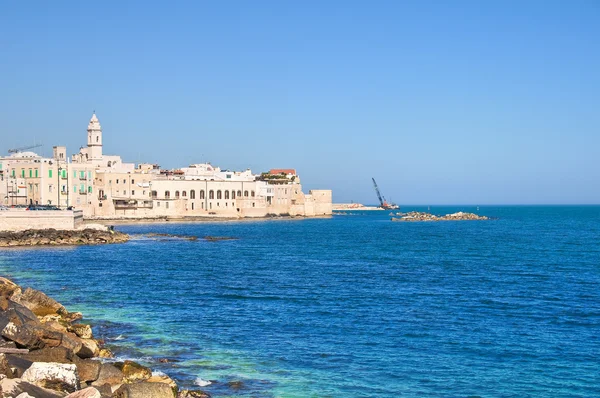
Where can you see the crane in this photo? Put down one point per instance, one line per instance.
(23, 148)
(382, 202)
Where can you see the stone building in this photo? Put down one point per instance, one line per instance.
(103, 186)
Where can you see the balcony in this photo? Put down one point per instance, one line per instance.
(64, 192)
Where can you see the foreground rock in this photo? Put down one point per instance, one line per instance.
(53, 237)
(44, 354)
(422, 216)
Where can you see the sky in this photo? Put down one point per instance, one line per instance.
(463, 102)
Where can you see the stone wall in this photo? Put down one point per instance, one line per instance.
(20, 219)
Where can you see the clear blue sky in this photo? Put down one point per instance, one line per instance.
(442, 102)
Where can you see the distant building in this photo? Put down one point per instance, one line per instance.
(103, 186)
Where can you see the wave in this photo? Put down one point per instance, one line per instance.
(201, 382)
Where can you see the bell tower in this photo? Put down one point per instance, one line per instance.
(94, 131)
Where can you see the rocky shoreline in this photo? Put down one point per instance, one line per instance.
(53, 237)
(415, 216)
(45, 352)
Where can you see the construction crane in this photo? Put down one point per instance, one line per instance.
(382, 202)
(23, 148)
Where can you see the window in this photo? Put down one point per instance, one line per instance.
(232, 194)
(192, 194)
(167, 195)
(228, 175)
(132, 193)
(157, 204)
(90, 175)
(202, 194)
(219, 196)
(211, 194)
(124, 192)
(245, 194)
(176, 194)
(97, 138)
(89, 189)
(184, 194)
(36, 173)
(23, 173)
(167, 205)
(117, 181)
(252, 193)
(133, 181)
(239, 194)
(226, 194)
(192, 205)
(154, 194)
(30, 173)
(49, 173)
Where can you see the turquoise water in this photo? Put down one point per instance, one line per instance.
(352, 306)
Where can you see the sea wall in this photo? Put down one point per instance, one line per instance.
(47, 352)
(21, 219)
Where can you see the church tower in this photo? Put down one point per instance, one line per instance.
(94, 131)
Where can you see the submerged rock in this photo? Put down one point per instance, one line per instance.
(133, 371)
(33, 237)
(218, 238)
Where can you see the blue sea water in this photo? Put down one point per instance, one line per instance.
(350, 306)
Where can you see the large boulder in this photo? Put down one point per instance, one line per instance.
(60, 377)
(144, 390)
(24, 335)
(8, 288)
(133, 371)
(89, 349)
(39, 303)
(18, 365)
(89, 392)
(88, 369)
(163, 378)
(108, 374)
(16, 387)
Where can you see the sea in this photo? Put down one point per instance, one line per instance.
(349, 306)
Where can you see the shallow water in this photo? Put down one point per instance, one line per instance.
(350, 306)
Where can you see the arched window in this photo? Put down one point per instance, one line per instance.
(252, 193)
(245, 194)
(192, 194)
(184, 194)
(167, 194)
(226, 194)
(211, 194)
(108, 164)
(232, 194)
(219, 196)
(239, 193)
(176, 194)
(202, 194)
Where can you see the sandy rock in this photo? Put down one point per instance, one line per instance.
(89, 392)
(8, 288)
(105, 353)
(163, 378)
(83, 331)
(144, 390)
(39, 303)
(133, 372)
(24, 335)
(89, 348)
(15, 387)
(24, 395)
(60, 377)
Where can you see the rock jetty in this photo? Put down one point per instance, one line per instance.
(53, 237)
(46, 353)
(422, 216)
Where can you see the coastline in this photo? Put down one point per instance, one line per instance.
(45, 351)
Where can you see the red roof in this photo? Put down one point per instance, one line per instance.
(282, 171)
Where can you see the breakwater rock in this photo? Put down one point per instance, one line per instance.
(422, 216)
(46, 353)
(53, 237)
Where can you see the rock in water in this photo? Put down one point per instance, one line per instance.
(60, 377)
(133, 371)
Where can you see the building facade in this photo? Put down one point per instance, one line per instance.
(104, 187)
